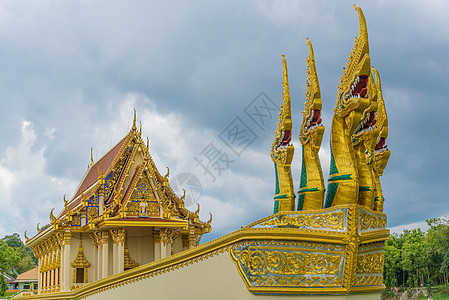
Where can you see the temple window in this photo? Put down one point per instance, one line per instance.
(80, 265)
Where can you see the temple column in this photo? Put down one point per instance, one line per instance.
(157, 244)
(52, 279)
(39, 275)
(105, 254)
(58, 278)
(192, 238)
(118, 252)
(97, 240)
(99, 268)
(165, 249)
(167, 237)
(65, 261)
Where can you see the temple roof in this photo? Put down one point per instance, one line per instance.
(104, 163)
(124, 188)
(31, 275)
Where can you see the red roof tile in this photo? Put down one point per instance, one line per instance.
(104, 163)
(91, 176)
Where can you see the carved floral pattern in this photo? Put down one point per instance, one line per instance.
(369, 221)
(332, 220)
(284, 263)
(370, 263)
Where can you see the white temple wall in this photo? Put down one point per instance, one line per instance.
(90, 252)
(177, 246)
(140, 244)
(213, 278)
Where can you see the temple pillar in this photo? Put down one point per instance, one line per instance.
(157, 244)
(118, 252)
(167, 239)
(192, 238)
(105, 254)
(65, 261)
(99, 267)
(52, 279)
(114, 258)
(39, 275)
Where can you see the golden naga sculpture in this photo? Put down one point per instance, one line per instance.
(363, 141)
(377, 158)
(337, 247)
(311, 188)
(358, 132)
(282, 152)
(353, 99)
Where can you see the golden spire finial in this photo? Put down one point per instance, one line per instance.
(148, 144)
(52, 217)
(210, 219)
(183, 196)
(140, 130)
(198, 210)
(100, 175)
(134, 121)
(91, 156)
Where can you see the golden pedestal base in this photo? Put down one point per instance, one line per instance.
(339, 250)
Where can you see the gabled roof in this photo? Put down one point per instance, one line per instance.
(9, 279)
(31, 275)
(104, 164)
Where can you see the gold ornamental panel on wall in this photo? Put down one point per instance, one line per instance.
(330, 251)
(287, 264)
(331, 219)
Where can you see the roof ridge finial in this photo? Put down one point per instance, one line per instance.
(91, 156)
(134, 121)
(140, 130)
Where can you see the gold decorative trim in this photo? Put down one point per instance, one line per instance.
(371, 241)
(177, 224)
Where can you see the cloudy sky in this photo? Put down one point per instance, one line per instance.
(71, 73)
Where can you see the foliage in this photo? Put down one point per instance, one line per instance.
(15, 257)
(3, 286)
(415, 258)
(8, 257)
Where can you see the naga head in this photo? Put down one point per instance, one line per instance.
(366, 132)
(282, 149)
(353, 88)
(380, 154)
(311, 130)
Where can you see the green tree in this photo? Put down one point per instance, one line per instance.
(413, 257)
(392, 267)
(3, 286)
(14, 241)
(8, 257)
(26, 260)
